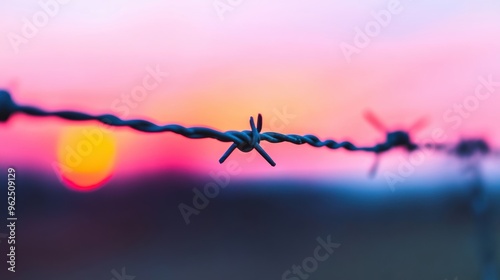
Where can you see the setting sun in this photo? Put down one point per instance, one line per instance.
(86, 155)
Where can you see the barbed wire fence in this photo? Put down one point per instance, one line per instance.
(246, 140)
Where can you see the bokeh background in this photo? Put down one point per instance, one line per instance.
(218, 63)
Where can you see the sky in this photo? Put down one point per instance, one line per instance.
(309, 68)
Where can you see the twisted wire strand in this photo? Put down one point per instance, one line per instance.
(238, 137)
(245, 140)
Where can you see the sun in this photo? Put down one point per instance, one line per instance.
(86, 157)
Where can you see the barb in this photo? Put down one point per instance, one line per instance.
(245, 141)
(397, 138)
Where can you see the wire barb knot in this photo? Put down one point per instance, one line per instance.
(248, 146)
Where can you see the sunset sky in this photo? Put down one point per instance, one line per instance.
(277, 58)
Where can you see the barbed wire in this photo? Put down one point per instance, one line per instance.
(246, 140)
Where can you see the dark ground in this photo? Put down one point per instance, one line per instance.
(251, 230)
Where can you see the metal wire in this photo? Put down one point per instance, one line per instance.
(245, 141)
